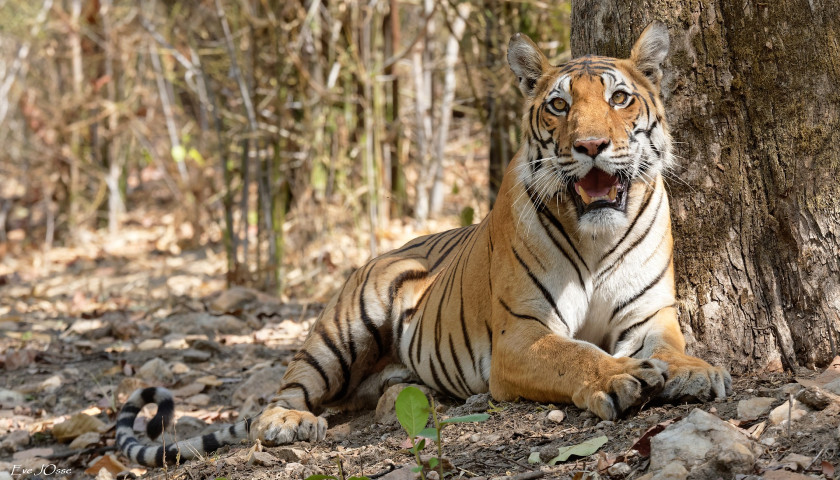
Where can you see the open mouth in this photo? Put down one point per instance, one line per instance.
(598, 189)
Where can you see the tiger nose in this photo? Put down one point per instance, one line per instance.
(592, 146)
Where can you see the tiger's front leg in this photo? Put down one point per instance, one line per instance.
(529, 361)
(689, 378)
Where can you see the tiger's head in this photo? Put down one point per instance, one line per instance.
(594, 129)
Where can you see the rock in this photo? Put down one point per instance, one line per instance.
(556, 416)
(797, 461)
(385, 413)
(672, 471)
(403, 473)
(76, 425)
(206, 345)
(179, 368)
(263, 383)
(768, 441)
(232, 300)
(85, 440)
(780, 414)
(816, 398)
(50, 385)
(149, 344)
(605, 424)
(195, 356)
(290, 454)
(475, 404)
(833, 386)
(620, 469)
(475, 438)
(11, 398)
(705, 446)
(199, 400)
(156, 371)
(262, 458)
(13, 441)
(200, 322)
(32, 453)
(754, 407)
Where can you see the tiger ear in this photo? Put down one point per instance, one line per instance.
(527, 62)
(650, 51)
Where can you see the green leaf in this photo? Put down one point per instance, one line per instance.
(417, 468)
(412, 409)
(534, 457)
(430, 433)
(433, 462)
(583, 449)
(475, 417)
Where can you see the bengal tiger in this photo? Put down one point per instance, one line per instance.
(563, 293)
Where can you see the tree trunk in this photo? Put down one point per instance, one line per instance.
(754, 107)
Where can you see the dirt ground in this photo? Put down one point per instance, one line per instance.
(81, 328)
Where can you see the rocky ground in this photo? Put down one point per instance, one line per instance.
(77, 334)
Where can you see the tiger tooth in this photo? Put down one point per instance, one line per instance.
(583, 195)
(613, 193)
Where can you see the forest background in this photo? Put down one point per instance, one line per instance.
(290, 140)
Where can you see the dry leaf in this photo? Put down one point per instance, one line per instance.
(642, 445)
(109, 462)
(188, 390)
(76, 425)
(209, 380)
(827, 469)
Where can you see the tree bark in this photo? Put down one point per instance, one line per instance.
(754, 107)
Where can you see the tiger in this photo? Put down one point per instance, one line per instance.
(563, 293)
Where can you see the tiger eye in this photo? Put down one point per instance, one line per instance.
(559, 104)
(618, 98)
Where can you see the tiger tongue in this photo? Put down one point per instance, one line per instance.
(597, 185)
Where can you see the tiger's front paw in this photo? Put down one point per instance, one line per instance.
(278, 426)
(633, 383)
(690, 378)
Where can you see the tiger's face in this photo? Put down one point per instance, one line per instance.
(594, 130)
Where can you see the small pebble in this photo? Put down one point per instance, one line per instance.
(556, 416)
(605, 424)
(619, 469)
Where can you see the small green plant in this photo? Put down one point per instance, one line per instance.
(413, 412)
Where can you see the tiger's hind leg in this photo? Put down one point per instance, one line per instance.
(348, 341)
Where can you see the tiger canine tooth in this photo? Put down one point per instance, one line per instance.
(613, 193)
(583, 195)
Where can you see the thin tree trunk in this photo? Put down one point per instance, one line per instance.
(450, 60)
(753, 102)
(422, 71)
(114, 162)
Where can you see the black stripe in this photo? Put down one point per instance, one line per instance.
(635, 297)
(307, 357)
(519, 315)
(639, 215)
(462, 379)
(210, 443)
(345, 367)
(148, 395)
(438, 347)
(366, 318)
(546, 294)
(556, 224)
(602, 276)
(303, 389)
(440, 386)
(445, 254)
